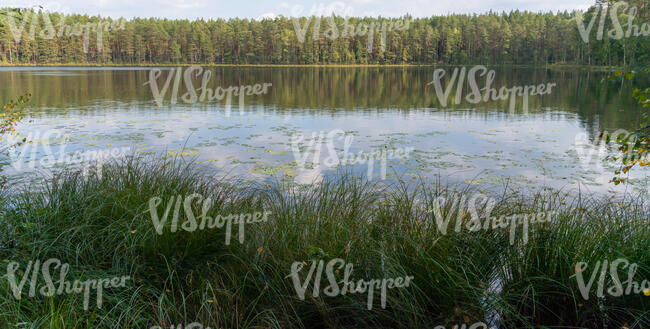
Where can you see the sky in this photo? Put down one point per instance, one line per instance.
(258, 9)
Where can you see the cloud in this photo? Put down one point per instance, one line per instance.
(266, 16)
(192, 9)
(183, 4)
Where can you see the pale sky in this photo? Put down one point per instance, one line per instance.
(192, 9)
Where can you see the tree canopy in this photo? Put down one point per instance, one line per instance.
(516, 37)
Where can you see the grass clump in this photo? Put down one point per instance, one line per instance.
(102, 227)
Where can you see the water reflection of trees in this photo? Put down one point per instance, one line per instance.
(326, 91)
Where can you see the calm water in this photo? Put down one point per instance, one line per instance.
(549, 144)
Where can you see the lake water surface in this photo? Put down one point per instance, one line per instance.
(551, 143)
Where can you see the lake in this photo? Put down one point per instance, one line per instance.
(550, 140)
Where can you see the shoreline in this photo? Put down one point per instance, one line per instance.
(108, 65)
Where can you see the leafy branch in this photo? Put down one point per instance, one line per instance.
(10, 115)
(634, 147)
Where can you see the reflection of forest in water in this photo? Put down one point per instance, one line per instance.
(598, 105)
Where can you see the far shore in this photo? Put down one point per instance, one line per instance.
(550, 66)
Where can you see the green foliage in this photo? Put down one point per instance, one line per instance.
(10, 115)
(514, 37)
(633, 147)
(316, 253)
(102, 228)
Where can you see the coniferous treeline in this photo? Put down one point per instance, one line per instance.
(492, 38)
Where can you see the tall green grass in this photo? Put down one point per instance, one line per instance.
(102, 228)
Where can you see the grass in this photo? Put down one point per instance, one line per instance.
(102, 227)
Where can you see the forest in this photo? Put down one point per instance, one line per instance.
(516, 37)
